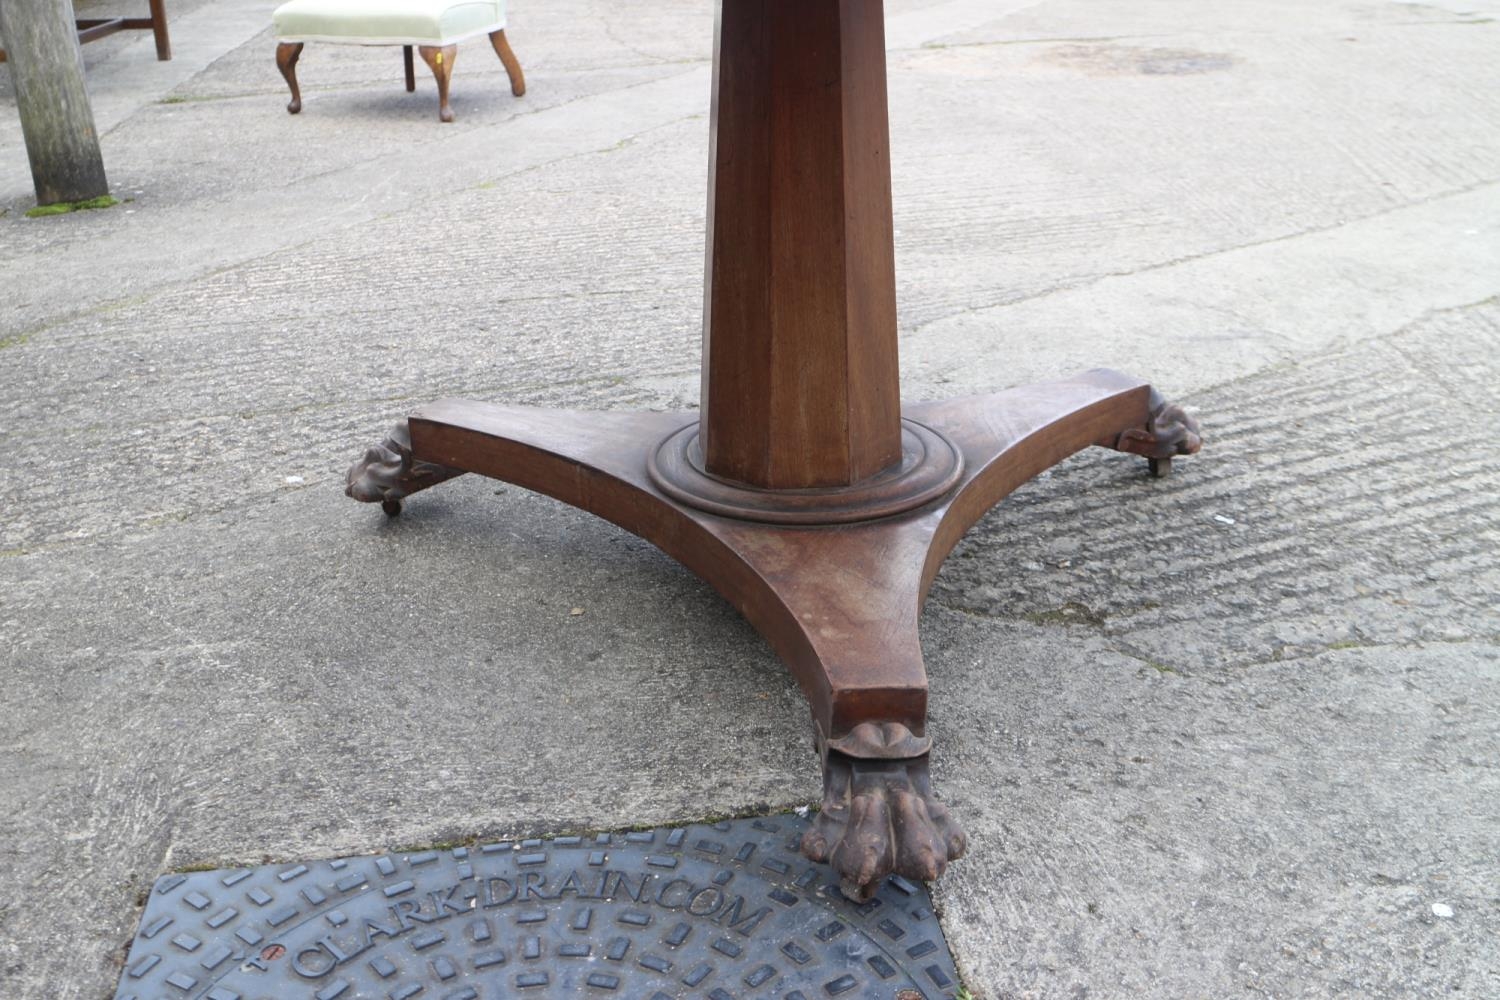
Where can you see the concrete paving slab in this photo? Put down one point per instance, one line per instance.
(122, 68)
(1229, 734)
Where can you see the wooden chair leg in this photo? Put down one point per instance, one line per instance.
(411, 73)
(287, 54)
(512, 66)
(440, 61)
(159, 29)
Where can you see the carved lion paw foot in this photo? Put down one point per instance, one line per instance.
(880, 817)
(389, 473)
(1171, 431)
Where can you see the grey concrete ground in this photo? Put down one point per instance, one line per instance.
(1232, 734)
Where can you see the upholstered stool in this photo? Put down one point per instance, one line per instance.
(434, 27)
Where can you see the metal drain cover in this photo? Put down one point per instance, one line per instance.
(724, 912)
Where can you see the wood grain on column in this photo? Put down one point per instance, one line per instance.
(801, 386)
(870, 293)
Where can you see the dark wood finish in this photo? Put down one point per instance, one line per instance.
(839, 604)
(929, 467)
(93, 28)
(287, 54)
(389, 473)
(856, 655)
(439, 59)
(800, 384)
(509, 61)
(879, 815)
(158, 25)
(802, 492)
(1170, 431)
(408, 63)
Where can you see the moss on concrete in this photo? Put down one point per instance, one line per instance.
(65, 207)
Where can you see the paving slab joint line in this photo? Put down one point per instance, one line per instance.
(1161, 265)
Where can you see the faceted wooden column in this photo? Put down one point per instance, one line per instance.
(800, 381)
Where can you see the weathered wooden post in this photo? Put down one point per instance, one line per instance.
(56, 119)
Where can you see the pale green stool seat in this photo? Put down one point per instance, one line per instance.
(434, 27)
(387, 22)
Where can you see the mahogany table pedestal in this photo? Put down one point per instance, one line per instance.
(803, 490)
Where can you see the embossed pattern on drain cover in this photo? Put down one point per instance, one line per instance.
(724, 912)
